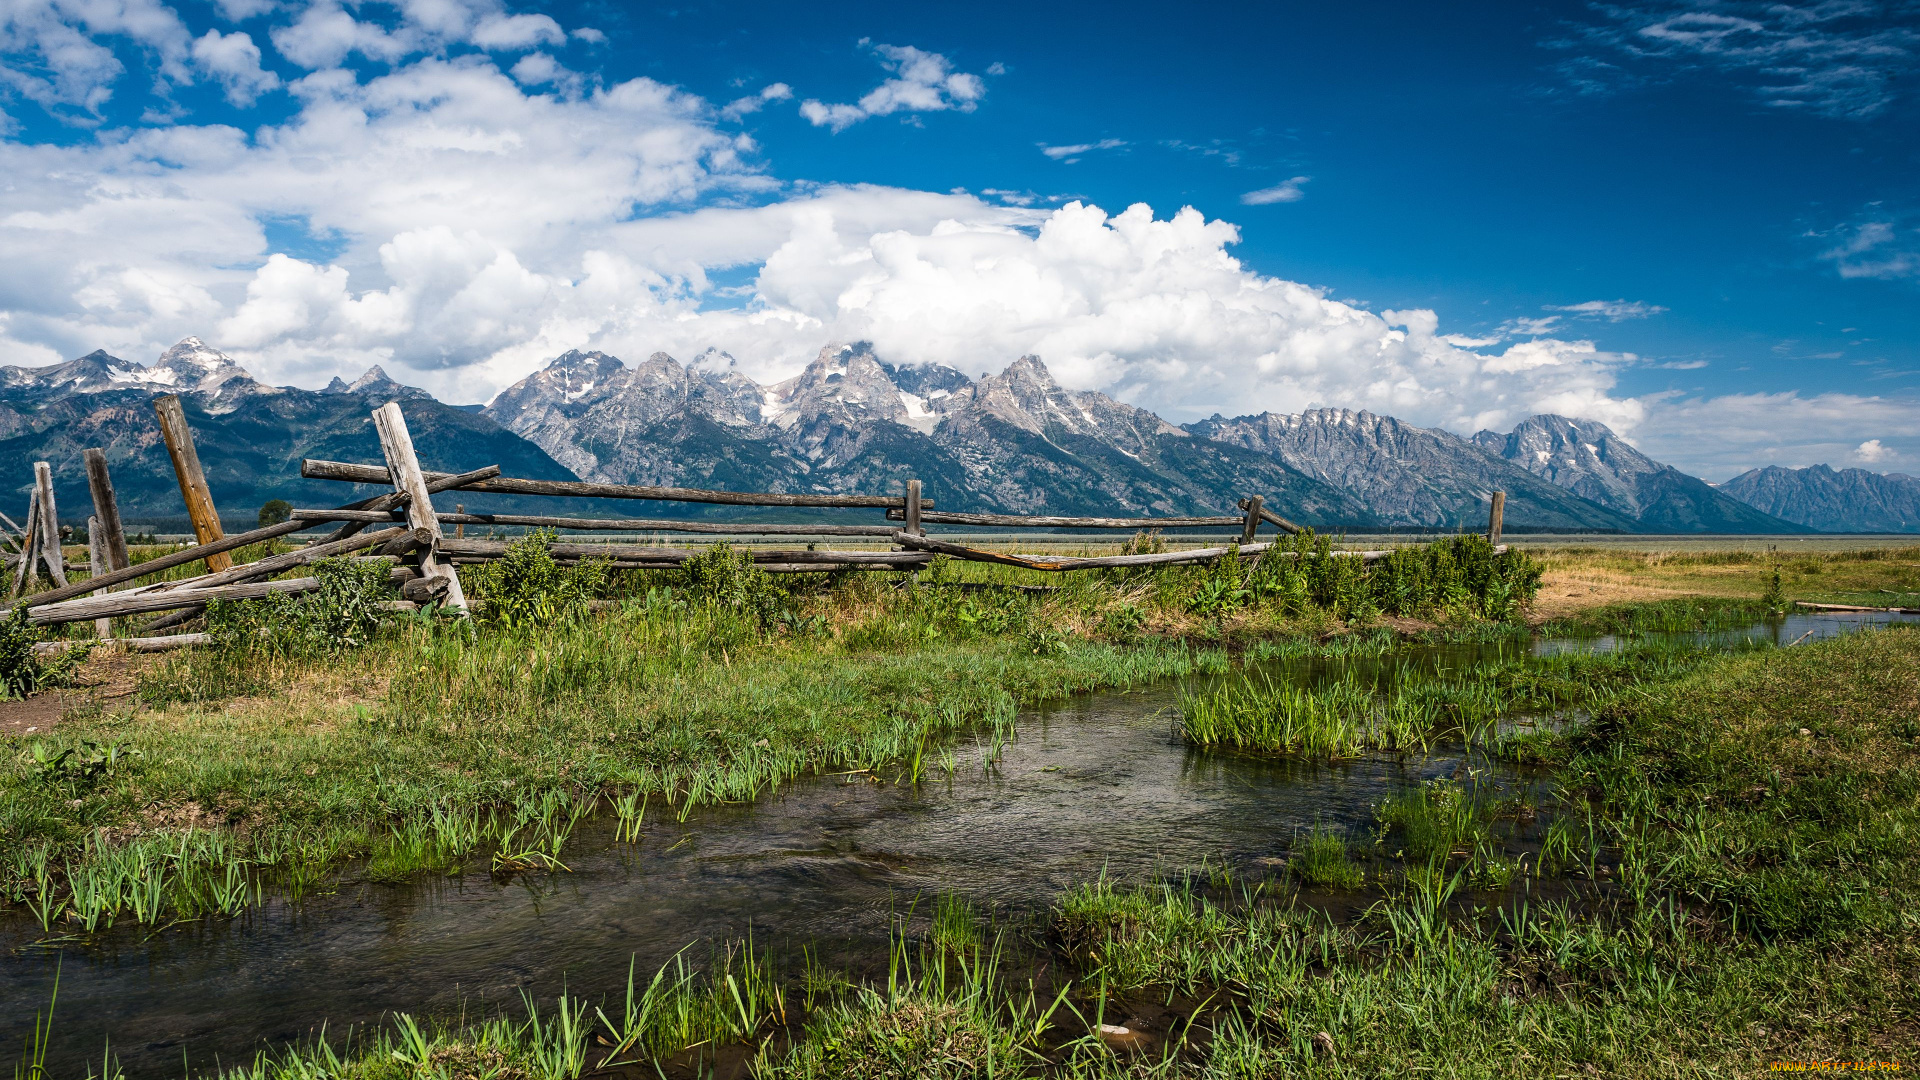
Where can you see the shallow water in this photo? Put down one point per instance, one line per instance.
(1095, 784)
(1794, 628)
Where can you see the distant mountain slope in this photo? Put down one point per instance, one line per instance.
(1588, 459)
(850, 422)
(250, 436)
(1407, 475)
(1849, 500)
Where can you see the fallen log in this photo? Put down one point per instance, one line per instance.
(314, 469)
(1855, 607)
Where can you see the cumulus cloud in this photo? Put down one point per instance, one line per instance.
(1611, 310)
(1871, 452)
(480, 226)
(235, 60)
(58, 52)
(1718, 437)
(923, 82)
(1278, 193)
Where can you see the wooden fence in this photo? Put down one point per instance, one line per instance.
(403, 528)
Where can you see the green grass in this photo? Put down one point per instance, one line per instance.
(431, 744)
(1735, 868)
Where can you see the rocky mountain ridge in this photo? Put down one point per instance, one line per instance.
(852, 421)
(1833, 500)
(250, 436)
(1588, 459)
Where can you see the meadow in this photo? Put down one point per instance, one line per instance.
(1723, 881)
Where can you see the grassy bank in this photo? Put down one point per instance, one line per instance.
(1746, 899)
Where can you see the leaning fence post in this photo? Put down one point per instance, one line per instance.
(912, 514)
(104, 508)
(1253, 520)
(193, 483)
(1494, 513)
(405, 469)
(97, 567)
(51, 553)
(29, 545)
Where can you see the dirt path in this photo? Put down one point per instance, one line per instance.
(106, 680)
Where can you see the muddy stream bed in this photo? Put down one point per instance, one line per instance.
(1094, 784)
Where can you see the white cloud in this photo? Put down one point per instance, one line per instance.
(515, 33)
(923, 82)
(1611, 310)
(753, 103)
(1836, 57)
(1278, 193)
(1870, 452)
(1071, 153)
(235, 60)
(1719, 437)
(51, 52)
(1875, 249)
(482, 227)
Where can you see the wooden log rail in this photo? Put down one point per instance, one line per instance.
(314, 469)
(113, 605)
(1065, 562)
(193, 554)
(651, 556)
(1044, 522)
(611, 524)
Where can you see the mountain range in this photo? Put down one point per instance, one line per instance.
(851, 422)
(1849, 500)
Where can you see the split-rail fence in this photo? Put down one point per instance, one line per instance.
(403, 528)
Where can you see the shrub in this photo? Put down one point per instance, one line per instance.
(528, 588)
(21, 672)
(725, 577)
(342, 613)
(274, 512)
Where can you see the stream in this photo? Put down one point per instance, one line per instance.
(1090, 785)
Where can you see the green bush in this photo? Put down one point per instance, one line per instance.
(275, 512)
(725, 577)
(21, 672)
(342, 613)
(1460, 576)
(528, 588)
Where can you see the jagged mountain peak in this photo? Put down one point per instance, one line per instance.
(1587, 458)
(1835, 500)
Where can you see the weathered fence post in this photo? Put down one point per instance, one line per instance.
(51, 552)
(397, 444)
(29, 545)
(912, 514)
(1253, 520)
(104, 508)
(1494, 513)
(193, 483)
(97, 567)
(460, 530)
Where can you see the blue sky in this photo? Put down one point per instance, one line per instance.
(1699, 223)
